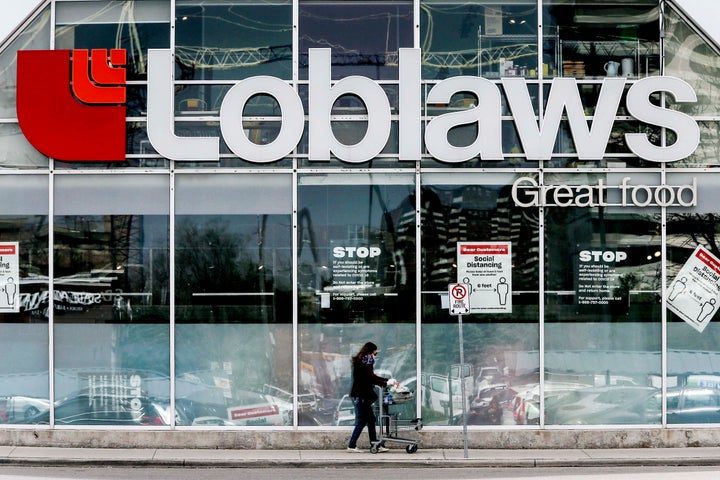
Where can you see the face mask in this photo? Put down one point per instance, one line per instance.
(368, 359)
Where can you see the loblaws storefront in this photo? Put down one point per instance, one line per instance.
(206, 207)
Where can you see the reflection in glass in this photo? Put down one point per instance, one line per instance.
(111, 300)
(356, 270)
(602, 331)
(600, 39)
(478, 37)
(16, 151)
(233, 270)
(24, 392)
(693, 374)
(24, 332)
(379, 30)
(500, 349)
(133, 26)
(35, 37)
(232, 39)
(111, 319)
(689, 57)
(356, 252)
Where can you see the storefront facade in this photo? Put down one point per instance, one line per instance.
(199, 236)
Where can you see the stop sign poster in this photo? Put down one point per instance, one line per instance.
(693, 294)
(487, 268)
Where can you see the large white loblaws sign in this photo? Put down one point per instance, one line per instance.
(537, 135)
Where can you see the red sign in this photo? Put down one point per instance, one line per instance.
(709, 261)
(264, 411)
(71, 104)
(483, 249)
(7, 249)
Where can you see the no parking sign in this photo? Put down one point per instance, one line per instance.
(459, 295)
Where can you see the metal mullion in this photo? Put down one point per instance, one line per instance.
(51, 259)
(294, 220)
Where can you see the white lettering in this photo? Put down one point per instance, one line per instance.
(322, 96)
(640, 106)
(487, 115)
(537, 137)
(231, 125)
(160, 121)
(359, 252)
(526, 192)
(538, 141)
(604, 255)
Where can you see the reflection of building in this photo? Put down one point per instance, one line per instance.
(252, 234)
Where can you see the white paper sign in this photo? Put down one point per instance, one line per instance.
(9, 277)
(487, 268)
(694, 294)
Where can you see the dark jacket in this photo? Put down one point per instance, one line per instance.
(365, 380)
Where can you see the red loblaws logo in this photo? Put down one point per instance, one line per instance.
(71, 104)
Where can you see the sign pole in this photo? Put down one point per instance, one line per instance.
(462, 387)
(459, 303)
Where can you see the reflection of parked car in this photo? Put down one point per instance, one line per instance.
(692, 405)
(345, 412)
(488, 406)
(435, 394)
(85, 409)
(601, 406)
(526, 404)
(20, 407)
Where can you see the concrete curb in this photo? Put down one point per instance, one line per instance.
(498, 458)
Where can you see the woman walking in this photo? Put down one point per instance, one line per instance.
(363, 395)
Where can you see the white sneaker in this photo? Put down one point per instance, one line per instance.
(355, 450)
(382, 449)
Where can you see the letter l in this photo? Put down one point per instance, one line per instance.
(160, 121)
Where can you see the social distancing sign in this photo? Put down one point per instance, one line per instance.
(9, 277)
(693, 294)
(486, 268)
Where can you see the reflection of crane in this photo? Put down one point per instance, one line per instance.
(217, 58)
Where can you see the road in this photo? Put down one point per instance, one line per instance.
(418, 473)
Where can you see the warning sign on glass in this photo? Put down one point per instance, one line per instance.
(694, 293)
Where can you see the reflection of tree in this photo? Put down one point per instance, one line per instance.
(625, 284)
(700, 229)
(211, 259)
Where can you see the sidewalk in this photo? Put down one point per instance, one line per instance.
(52, 456)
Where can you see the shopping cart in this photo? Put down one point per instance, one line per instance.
(391, 421)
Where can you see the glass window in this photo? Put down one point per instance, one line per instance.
(487, 38)
(135, 26)
(501, 336)
(24, 387)
(233, 39)
(356, 282)
(693, 331)
(601, 39)
(602, 317)
(35, 37)
(690, 57)
(379, 30)
(111, 301)
(16, 151)
(233, 277)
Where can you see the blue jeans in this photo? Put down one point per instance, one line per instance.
(364, 416)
